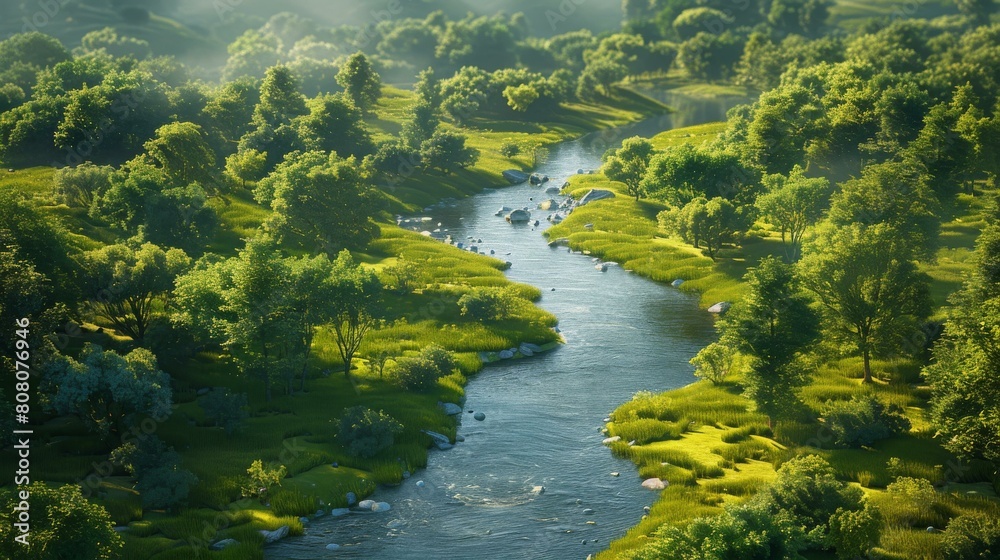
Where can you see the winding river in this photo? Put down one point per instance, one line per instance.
(623, 334)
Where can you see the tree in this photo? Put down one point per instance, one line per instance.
(894, 194)
(261, 478)
(64, 524)
(80, 185)
(358, 301)
(334, 125)
(519, 98)
(601, 72)
(360, 81)
(125, 284)
(230, 109)
(712, 223)
(772, 325)
(446, 150)
(680, 174)
(714, 362)
(247, 165)
(803, 17)
(182, 153)
(161, 482)
(421, 127)
(870, 289)
(314, 294)
(965, 373)
(225, 409)
(280, 99)
(628, 164)
(979, 10)
(711, 56)
(109, 392)
(792, 204)
(322, 199)
(428, 88)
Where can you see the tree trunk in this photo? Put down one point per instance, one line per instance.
(866, 356)
(347, 365)
(267, 387)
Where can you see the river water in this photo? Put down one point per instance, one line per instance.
(623, 334)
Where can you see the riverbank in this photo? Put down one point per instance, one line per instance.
(297, 430)
(705, 441)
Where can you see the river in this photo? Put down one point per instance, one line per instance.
(543, 414)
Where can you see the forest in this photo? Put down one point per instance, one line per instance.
(226, 318)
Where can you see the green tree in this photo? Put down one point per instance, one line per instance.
(421, 127)
(109, 392)
(428, 88)
(80, 185)
(599, 75)
(520, 98)
(446, 151)
(710, 56)
(360, 81)
(714, 362)
(358, 302)
(772, 325)
(247, 165)
(792, 204)
(64, 524)
(125, 285)
(334, 125)
(322, 199)
(182, 153)
(870, 289)
(365, 432)
(280, 99)
(628, 164)
(965, 373)
(230, 109)
(711, 223)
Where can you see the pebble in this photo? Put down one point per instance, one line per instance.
(420, 484)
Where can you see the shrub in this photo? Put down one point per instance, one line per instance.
(161, 482)
(509, 149)
(225, 409)
(421, 372)
(365, 432)
(714, 362)
(864, 420)
(975, 535)
(854, 533)
(487, 304)
(910, 502)
(260, 479)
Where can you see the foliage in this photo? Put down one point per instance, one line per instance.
(628, 164)
(64, 524)
(261, 478)
(711, 223)
(446, 151)
(864, 420)
(793, 204)
(714, 362)
(109, 392)
(360, 81)
(772, 325)
(365, 432)
(225, 409)
(486, 304)
(159, 479)
(963, 376)
(79, 186)
(870, 289)
(972, 536)
(124, 285)
(853, 533)
(421, 372)
(334, 124)
(358, 300)
(509, 149)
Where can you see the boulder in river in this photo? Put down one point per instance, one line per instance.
(338, 512)
(479, 416)
(554, 189)
(654, 484)
(610, 440)
(352, 498)
(550, 204)
(438, 438)
(518, 216)
(506, 354)
(677, 283)
(720, 307)
(595, 194)
(381, 507)
(538, 490)
(525, 350)
(450, 408)
(561, 242)
(515, 176)
(366, 504)
(275, 535)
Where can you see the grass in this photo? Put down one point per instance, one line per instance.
(707, 442)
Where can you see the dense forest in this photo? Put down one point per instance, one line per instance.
(221, 319)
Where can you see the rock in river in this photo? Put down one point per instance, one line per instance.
(275, 535)
(610, 440)
(720, 307)
(479, 416)
(654, 484)
(506, 354)
(366, 504)
(515, 176)
(450, 408)
(381, 507)
(518, 216)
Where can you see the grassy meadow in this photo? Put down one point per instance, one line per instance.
(707, 442)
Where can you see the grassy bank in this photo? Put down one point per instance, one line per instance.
(297, 429)
(705, 439)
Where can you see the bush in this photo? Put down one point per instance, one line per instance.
(365, 432)
(421, 372)
(161, 482)
(260, 479)
(975, 535)
(509, 149)
(854, 533)
(714, 362)
(487, 304)
(225, 409)
(864, 420)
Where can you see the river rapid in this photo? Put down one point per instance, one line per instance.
(623, 334)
